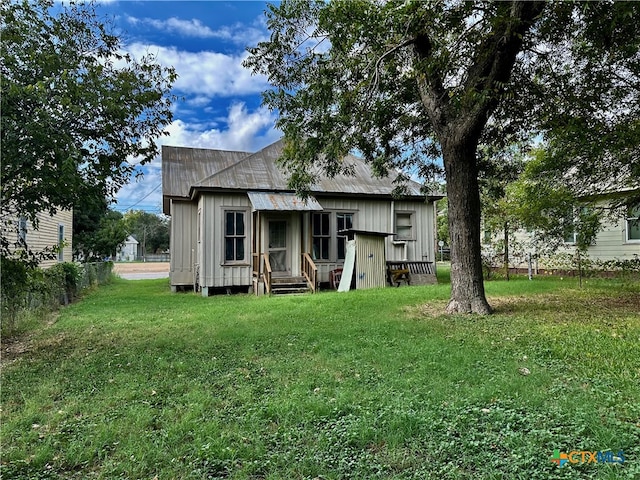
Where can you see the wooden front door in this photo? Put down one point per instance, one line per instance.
(278, 255)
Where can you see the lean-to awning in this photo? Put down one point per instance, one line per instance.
(281, 201)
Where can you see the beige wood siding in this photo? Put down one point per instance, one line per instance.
(214, 271)
(611, 243)
(46, 236)
(183, 242)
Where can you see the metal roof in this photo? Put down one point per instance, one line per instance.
(183, 167)
(282, 201)
(187, 170)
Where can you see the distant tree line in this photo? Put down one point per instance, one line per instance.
(99, 231)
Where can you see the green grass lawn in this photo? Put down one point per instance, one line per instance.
(136, 382)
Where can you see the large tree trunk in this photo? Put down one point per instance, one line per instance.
(467, 287)
(459, 125)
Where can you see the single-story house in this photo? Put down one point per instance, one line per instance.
(53, 232)
(235, 223)
(129, 251)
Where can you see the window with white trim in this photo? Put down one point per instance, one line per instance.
(633, 224)
(234, 236)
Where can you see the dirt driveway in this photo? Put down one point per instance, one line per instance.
(141, 270)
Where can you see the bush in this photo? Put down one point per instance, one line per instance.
(65, 279)
(29, 292)
(15, 277)
(593, 267)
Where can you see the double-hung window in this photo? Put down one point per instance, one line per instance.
(633, 225)
(321, 235)
(234, 236)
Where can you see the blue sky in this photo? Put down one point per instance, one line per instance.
(220, 102)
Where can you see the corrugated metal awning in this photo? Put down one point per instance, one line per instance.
(285, 202)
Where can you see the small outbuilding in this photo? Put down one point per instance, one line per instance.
(365, 260)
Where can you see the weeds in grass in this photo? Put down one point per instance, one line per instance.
(134, 382)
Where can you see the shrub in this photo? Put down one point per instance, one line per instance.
(15, 277)
(32, 292)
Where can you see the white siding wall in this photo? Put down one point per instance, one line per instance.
(183, 242)
(47, 235)
(610, 244)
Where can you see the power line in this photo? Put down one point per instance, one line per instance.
(139, 201)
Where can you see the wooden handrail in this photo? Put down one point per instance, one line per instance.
(310, 271)
(255, 263)
(267, 272)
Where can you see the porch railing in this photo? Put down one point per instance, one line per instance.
(255, 263)
(310, 271)
(267, 273)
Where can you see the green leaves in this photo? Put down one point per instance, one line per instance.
(75, 110)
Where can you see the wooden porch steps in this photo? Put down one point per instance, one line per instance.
(289, 285)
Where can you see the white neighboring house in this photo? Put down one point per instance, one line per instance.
(618, 239)
(53, 231)
(129, 251)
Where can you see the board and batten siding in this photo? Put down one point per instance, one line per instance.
(379, 216)
(214, 271)
(47, 235)
(183, 243)
(197, 235)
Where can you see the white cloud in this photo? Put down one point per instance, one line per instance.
(205, 73)
(239, 34)
(245, 131)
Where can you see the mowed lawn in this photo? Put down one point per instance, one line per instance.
(136, 382)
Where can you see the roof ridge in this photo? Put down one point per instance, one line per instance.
(248, 157)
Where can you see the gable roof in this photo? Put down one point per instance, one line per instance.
(230, 171)
(183, 167)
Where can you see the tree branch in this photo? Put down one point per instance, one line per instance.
(431, 87)
(494, 61)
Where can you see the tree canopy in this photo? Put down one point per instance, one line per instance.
(151, 231)
(407, 83)
(78, 113)
(98, 231)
